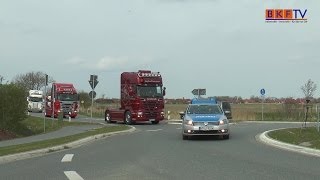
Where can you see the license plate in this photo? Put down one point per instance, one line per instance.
(204, 128)
(151, 119)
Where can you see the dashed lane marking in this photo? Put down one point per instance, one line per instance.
(154, 130)
(73, 175)
(67, 158)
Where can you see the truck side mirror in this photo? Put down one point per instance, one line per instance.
(164, 91)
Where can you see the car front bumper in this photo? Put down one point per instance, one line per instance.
(189, 130)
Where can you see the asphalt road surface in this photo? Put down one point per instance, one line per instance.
(158, 152)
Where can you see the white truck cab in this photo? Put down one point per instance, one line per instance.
(35, 101)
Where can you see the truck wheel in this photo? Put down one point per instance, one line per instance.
(128, 118)
(107, 117)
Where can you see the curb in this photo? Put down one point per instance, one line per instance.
(74, 144)
(264, 138)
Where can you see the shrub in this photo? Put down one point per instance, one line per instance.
(13, 106)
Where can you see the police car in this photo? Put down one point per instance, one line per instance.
(204, 117)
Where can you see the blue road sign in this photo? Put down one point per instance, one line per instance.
(262, 92)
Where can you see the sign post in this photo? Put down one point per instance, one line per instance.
(93, 83)
(45, 101)
(317, 110)
(262, 92)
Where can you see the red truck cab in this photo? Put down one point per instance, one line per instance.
(141, 98)
(63, 98)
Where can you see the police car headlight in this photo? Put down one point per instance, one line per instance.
(188, 122)
(223, 121)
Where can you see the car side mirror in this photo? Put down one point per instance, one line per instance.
(182, 114)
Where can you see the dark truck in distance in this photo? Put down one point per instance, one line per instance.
(141, 98)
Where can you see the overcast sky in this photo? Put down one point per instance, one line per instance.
(224, 46)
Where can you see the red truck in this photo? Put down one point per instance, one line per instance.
(141, 98)
(63, 98)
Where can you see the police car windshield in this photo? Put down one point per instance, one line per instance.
(149, 91)
(68, 97)
(203, 109)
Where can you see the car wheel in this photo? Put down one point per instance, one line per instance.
(226, 136)
(128, 118)
(184, 137)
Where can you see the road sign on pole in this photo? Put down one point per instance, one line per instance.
(199, 92)
(93, 83)
(92, 94)
(262, 91)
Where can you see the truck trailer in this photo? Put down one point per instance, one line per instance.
(142, 98)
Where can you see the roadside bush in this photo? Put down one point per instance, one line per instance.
(13, 106)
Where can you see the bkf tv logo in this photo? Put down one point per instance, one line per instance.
(286, 15)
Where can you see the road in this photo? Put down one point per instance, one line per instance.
(158, 152)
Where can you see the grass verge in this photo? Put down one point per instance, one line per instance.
(35, 125)
(58, 141)
(308, 137)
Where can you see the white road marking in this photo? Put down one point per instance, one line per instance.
(154, 130)
(174, 123)
(73, 175)
(67, 158)
(179, 128)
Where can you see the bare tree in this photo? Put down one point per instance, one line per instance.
(1, 79)
(309, 89)
(32, 80)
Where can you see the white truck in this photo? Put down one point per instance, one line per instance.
(35, 101)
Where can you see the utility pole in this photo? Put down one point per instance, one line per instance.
(45, 101)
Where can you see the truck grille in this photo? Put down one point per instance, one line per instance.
(66, 107)
(151, 108)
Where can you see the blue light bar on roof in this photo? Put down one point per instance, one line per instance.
(204, 101)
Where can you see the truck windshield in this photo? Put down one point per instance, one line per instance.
(35, 99)
(204, 109)
(68, 97)
(149, 91)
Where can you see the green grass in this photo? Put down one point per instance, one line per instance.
(298, 136)
(35, 125)
(58, 141)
